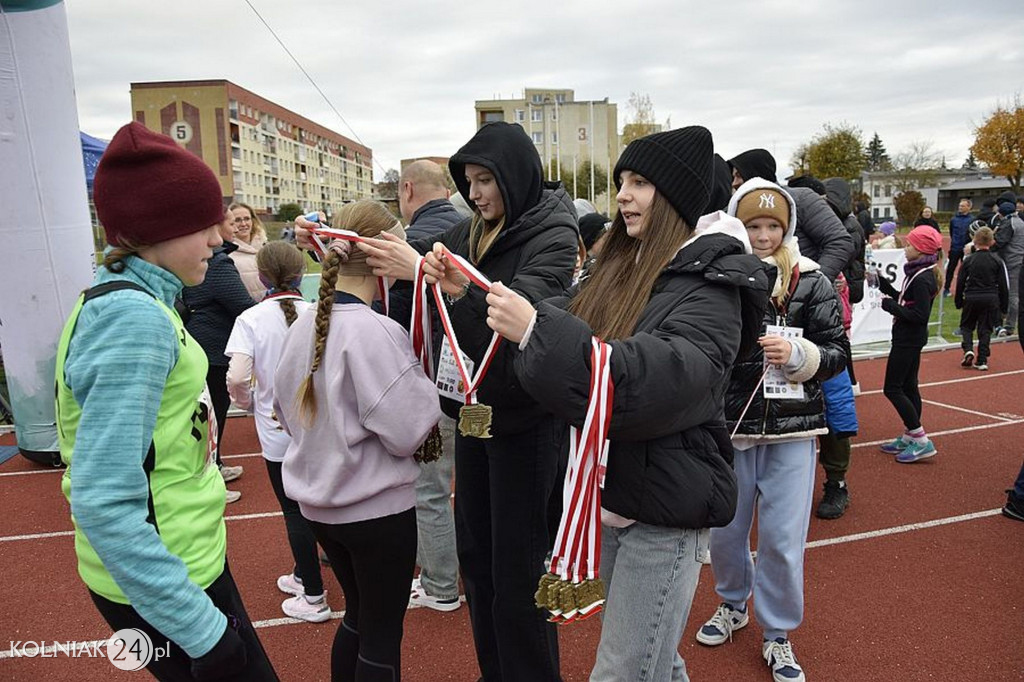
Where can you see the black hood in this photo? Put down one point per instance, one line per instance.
(839, 196)
(754, 163)
(721, 185)
(508, 152)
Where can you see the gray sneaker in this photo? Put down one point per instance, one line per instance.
(720, 626)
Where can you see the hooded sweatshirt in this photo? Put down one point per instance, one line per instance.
(534, 254)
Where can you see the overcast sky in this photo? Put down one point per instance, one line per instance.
(405, 73)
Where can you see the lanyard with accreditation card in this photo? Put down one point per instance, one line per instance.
(474, 417)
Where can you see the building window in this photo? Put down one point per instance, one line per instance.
(554, 138)
(520, 115)
(878, 192)
(537, 99)
(875, 213)
(560, 97)
(536, 115)
(492, 116)
(888, 212)
(538, 138)
(888, 190)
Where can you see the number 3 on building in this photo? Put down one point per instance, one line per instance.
(181, 132)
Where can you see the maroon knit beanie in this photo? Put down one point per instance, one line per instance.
(148, 189)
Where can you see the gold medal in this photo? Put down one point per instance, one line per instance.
(475, 421)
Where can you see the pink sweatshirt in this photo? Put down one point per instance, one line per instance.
(375, 408)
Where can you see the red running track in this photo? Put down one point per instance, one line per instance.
(922, 579)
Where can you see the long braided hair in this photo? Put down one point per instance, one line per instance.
(281, 266)
(367, 218)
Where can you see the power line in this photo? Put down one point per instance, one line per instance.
(311, 81)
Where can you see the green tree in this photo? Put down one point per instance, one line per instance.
(970, 163)
(837, 151)
(388, 187)
(999, 143)
(875, 156)
(582, 189)
(288, 212)
(799, 161)
(909, 205)
(641, 118)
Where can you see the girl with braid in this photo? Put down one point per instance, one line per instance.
(254, 348)
(357, 408)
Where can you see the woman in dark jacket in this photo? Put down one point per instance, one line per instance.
(523, 233)
(775, 416)
(927, 218)
(665, 295)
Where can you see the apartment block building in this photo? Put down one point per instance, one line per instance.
(263, 154)
(564, 130)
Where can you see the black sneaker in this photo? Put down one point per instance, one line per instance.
(968, 359)
(835, 501)
(1014, 507)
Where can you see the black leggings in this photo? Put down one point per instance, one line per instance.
(176, 665)
(217, 383)
(300, 535)
(955, 256)
(901, 384)
(374, 561)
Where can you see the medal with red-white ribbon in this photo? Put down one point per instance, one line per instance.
(572, 590)
(321, 232)
(474, 417)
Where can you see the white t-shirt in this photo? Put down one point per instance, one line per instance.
(259, 333)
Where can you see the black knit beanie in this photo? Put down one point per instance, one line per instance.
(755, 163)
(721, 186)
(678, 163)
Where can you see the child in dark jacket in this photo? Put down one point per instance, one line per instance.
(774, 428)
(983, 293)
(911, 309)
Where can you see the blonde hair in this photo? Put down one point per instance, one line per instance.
(367, 218)
(281, 263)
(481, 236)
(257, 225)
(984, 237)
(612, 299)
(784, 262)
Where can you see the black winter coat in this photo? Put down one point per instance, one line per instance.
(814, 307)
(910, 320)
(820, 233)
(535, 257)
(840, 198)
(214, 304)
(670, 462)
(982, 277)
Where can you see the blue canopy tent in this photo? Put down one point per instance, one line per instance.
(92, 150)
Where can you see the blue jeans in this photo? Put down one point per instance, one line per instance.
(435, 521)
(651, 575)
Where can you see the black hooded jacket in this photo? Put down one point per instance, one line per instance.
(670, 462)
(840, 198)
(534, 254)
(822, 236)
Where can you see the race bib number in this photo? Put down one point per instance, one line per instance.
(776, 385)
(449, 381)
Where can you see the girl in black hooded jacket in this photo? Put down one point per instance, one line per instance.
(774, 427)
(523, 233)
(666, 295)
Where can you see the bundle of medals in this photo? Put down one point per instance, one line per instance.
(572, 590)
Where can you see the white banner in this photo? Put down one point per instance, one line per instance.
(870, 323)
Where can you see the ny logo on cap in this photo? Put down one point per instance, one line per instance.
(767, 201)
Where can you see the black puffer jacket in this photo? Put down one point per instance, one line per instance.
(534, 254)
(815, 308)
(820, 233)
(670, 458)
(840, 198)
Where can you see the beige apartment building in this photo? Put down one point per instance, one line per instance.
(263, 154)
(564, 130)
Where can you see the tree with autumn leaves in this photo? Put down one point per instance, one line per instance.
(999, 143)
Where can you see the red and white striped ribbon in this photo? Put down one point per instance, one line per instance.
(577, 551)
(318, 233)
(420, 332)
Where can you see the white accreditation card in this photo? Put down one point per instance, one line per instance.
(776, 385)
(449, 381)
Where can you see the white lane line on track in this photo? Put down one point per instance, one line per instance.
(51, 651)
(979, 377)
(60, 470)
(904, 529)
(949, 432)
(65, 533)
(964, 409)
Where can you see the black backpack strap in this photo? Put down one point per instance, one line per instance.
(106, 288)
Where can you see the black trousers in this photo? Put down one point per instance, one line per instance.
(175, 667)
(217, 383)
(300, 535)
(503, 488)
(374, 561)
(955, 257)
(901, 384)
(982, 315)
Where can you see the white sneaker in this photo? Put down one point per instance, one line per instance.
(778, 653)
(232, 496)
(231, 473)
(299, 607)
(289, 584)
(856, 389)
(720, 626)
(419, 597)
